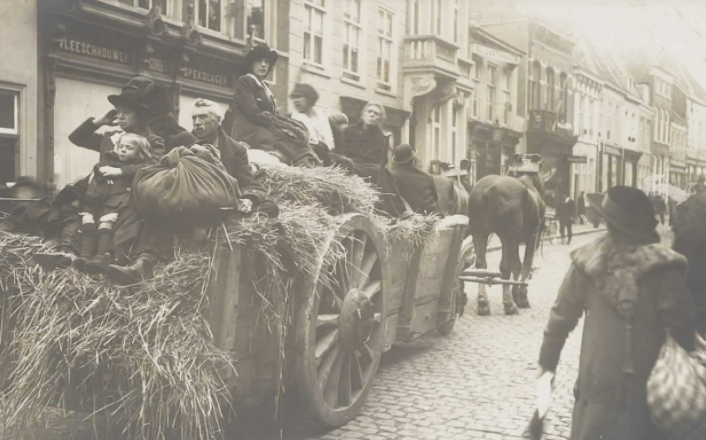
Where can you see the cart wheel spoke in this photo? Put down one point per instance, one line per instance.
(332, 297)
(324, 345)
(372, 289)
(324, 370)
(367, 266)
(327, 319)
(356, 373)
(333, 381)
(344, 387)
(367, 355)
(360, 240)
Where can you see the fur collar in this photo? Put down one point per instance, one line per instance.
(616, 266)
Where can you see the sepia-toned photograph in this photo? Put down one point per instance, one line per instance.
(352, 219)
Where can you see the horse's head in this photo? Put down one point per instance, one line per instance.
(526, 167)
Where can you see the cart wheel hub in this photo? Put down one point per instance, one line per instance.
(357, 319)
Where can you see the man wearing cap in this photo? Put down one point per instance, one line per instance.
(632, 291)
(304, 98)
(206, 116)
(415, 186)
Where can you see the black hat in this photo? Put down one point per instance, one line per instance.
(306, 91)
(131, 98)
(147, 93)
(259, 52)
(628, 210)
(403, 153)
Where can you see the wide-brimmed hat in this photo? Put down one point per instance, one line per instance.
(261, 51)
(403, 153)
(629, 211)
(147, 93)
(131, 98)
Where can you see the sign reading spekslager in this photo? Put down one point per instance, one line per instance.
(203, 76)
(92, 50)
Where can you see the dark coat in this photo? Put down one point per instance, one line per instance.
(690, 241)
(601, 274)
(417, 188)
(168, 128)
(565, 210)
(252, 119)
(85, 136)
(105, 196)
(364, 146)
(234, 156)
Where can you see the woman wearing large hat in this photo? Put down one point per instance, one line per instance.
(632, 292)
(253, 119)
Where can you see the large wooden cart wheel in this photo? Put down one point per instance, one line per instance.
(340, 328)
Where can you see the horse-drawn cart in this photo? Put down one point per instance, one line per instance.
(346, 315)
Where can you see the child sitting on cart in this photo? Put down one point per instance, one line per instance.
(107, 193)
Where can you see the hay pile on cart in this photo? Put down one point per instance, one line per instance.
(165, 354)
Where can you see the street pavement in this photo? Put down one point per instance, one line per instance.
(476, 383)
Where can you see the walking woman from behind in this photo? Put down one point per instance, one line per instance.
(253, 119)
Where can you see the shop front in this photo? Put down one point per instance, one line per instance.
(555, 145)
(491, 147)
(89, 53)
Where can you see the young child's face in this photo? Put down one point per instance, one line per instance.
(126, 151)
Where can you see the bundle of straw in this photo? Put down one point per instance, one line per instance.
(148, 349)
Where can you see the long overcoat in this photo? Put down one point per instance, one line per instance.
(610, 405)
(417, 188)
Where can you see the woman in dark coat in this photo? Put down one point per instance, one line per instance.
(365, 145)
(624, 275)
(253, 119)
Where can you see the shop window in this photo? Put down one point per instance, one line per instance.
(385, 45)
(352, 32)
(314, 15)
(9, 133)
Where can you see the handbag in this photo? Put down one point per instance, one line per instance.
(676, 389)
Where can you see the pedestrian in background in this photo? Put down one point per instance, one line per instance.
(416, 186)
(632, 291)
(304, 98)
(660, 207)
(581, 207)
(565, 213)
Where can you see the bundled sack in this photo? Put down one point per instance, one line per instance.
(676, 389)
(185, 186)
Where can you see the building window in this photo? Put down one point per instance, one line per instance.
(549, 96)
(492, 77)
(314, 14)
(456, 20)
(165, 5)
(352, 30)
(436, 16)
(564, 97)
(590, 116)
(535, 86)
(581, 115)
(507, 95)
(475, 72)
(9, 133)
(436, 132)
(385, 45)
(257, 23)
(609, 121)
(414, 18)
(208, 14)
(454, 132)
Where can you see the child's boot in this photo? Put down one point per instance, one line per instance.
(88, 246)
(103, 258)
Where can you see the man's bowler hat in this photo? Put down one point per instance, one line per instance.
(403, 153)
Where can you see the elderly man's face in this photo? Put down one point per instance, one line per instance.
(205, 123)
(372, 115)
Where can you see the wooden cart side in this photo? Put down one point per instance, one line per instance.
(233, 315)
(425, 296)
(446, 313)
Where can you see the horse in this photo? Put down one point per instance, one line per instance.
(512, 207)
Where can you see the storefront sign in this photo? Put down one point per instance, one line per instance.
(204, 77)
(157, 65)
(578, 159)
(94, 51)
(489, 52)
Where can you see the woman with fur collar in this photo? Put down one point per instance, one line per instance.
(253, 119)
(623, 276)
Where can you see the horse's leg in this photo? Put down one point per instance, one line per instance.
(523, 301)
(480, 243)
(509, 249)
(516, 270)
